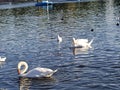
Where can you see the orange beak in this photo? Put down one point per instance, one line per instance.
(18, 70)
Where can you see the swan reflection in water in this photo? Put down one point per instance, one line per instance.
(2, 64)
(2, 61)
(24, 83)
(32, 83)
(79, 50)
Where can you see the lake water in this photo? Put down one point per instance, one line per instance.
(30, 34)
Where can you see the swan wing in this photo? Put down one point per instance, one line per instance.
(38, 72)
(46, 72)
(32, 73)
(80, 43)
(82, 40)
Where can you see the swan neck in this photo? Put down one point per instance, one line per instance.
(24, 69)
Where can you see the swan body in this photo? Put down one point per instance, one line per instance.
(59, 39)
(2, 59)
(82, 42)
(34, 73)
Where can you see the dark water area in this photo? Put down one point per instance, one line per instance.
(30, 34)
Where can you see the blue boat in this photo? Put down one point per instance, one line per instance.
(43, 3)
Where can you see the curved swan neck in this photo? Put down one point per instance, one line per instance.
(58, 36)
(59, 39)
(20, 64)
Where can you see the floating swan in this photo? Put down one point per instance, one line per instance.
(34, 73)
(82, 42)
(59, 39)
(2, 59)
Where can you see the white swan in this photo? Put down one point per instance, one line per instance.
(34, 73)
(59, 39)
(82, 42)
(2, 59)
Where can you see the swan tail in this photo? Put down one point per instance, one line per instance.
(90, 43)
(50, 74)
(55, 70)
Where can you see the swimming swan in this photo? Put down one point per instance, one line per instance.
(59, 39)
(2, 59)
(34, 73)
(82, 42)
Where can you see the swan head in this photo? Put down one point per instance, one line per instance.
(22, 67)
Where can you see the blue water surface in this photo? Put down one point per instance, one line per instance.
(30, 34)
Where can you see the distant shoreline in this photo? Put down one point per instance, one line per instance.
(5, 1)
